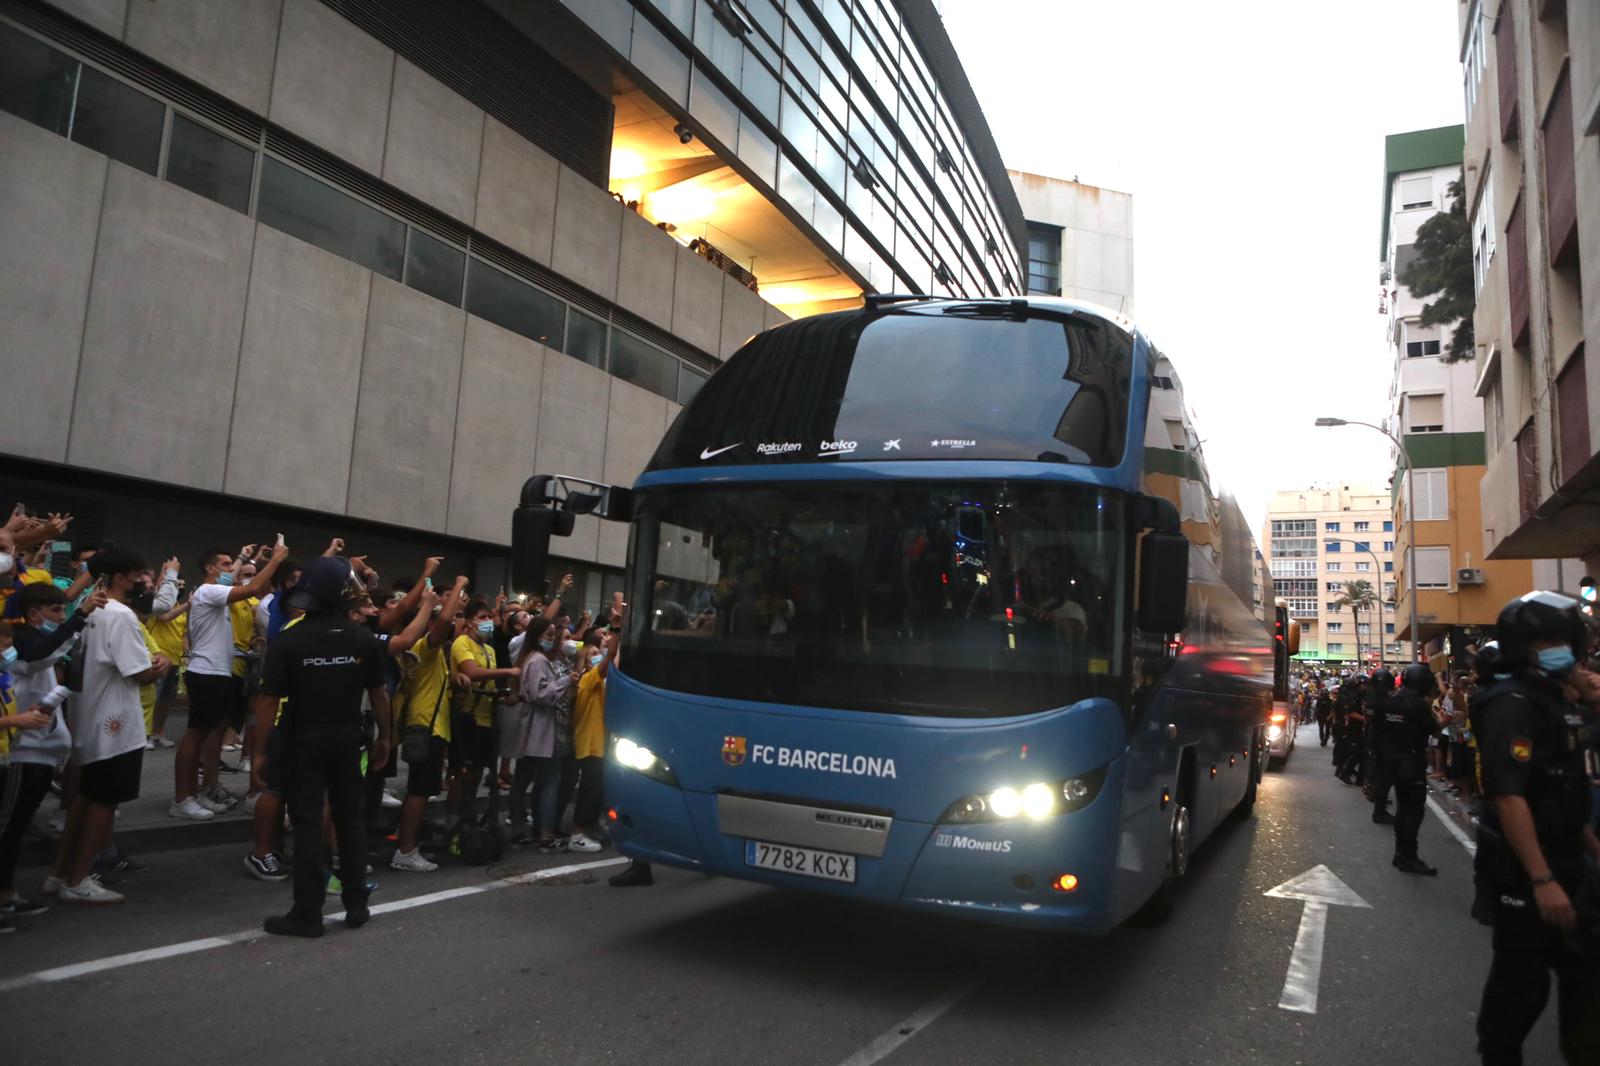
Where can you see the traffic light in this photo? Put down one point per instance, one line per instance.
(1587, 594)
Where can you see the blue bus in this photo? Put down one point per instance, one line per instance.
(933, 605)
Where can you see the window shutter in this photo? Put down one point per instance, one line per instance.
(1433, 568)
(1416, 191)
(1424, 411)
(1433, 495)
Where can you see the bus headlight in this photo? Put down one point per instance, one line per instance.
(1036, 801)
(640, 759)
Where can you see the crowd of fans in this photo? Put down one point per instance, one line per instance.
(97, 648)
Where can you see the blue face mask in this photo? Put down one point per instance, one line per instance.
(596, 660)
(546, 645)
(485, 629)
(1557, 662)
(7, 657)
(225, 578)
(47, 626)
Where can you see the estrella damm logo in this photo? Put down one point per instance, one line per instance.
(733, 749)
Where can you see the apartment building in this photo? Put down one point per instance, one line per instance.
(1080, 240)
(1435, 411)
(1315, 541)
(1531, 80)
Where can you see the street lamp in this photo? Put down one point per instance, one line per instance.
(1411, 518)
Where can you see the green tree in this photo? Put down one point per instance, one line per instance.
(1358, 596)
(1443, 269)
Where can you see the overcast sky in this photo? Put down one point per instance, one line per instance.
(1250, 133)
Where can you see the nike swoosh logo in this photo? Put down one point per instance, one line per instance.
(708, 453)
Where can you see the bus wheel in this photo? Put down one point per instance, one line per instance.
(1247, 804)
(1159, 907)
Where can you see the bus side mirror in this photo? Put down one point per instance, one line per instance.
(1164, 582)
(532, 526)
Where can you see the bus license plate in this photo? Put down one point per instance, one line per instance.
(807, 862)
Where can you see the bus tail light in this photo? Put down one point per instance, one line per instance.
(1065, 883)
(1278, 717)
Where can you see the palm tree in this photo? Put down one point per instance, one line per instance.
(1358, 596)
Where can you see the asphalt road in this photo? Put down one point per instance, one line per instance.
(538, 960)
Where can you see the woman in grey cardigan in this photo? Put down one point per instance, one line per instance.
(529, 736)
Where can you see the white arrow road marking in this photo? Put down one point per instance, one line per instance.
(1318, 887)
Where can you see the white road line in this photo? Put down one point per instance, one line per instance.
(885, 1045)
(190, 947)
(1455, 830)
(1305, 962)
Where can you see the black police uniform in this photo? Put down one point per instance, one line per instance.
(323, 666)
(1407, 724)
(1532, 745)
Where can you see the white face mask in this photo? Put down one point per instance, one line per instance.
(8, 563)
(570, 647)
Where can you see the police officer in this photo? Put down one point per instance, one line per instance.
(1532, 746)
(1489, 666)
(1351, 734)
(1323, 705)
(1378, 692)
(321, 667)
(1408, 722)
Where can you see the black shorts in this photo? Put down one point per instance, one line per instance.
(471, 744)
(167, 687)
(426, 778)
(211, 699)
(112, 781)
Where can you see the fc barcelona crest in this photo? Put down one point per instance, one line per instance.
(733, 750)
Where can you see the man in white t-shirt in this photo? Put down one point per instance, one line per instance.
(209, 679)
(107, 724)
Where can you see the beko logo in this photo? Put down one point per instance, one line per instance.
(836, 447)
(777, 449)
(853, 821)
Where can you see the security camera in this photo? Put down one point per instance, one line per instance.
(685, 134)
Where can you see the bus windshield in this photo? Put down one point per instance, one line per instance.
(978, 600)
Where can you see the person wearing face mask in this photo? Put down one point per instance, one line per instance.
(1541, 846)
(589, 740)
(107, 726)
(22, 786)
(533, 737)
(475, 675)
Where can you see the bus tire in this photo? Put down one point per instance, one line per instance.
(1247, 803)
(1160, 905)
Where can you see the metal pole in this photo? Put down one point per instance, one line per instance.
(1411, 531)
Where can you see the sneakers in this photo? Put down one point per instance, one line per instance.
(119, 865)
(390, 800)
(17, 907)
(149, 743)
(51, 886)
(549, 845)
(1413, 865)
(294, 924)
(89, 890)
(266, 868)
(412, 861)
(580, 842)
(357, 914)
(160, 741)
(217, 799)
(191, 808)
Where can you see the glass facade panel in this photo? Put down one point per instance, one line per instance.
(514, 304)
(36, 81)
(207, 163)
(586, 338)
(319, 214)
(660, 59)
(435, 268)
(118, 120)
(689, 382)
(643, 364)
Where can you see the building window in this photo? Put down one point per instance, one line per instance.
(1425, 414)
(1388, 527)
(1331, 547)
(1044, 259)
(1433, 567)
(1474, 59)
(586, 338)
(1332, 606)
(1330, 527)
(1162, 381)
(1335, 627)
(1332, 586)
(1363, 567)
(1388, 545)
(435, 268)
(1388, 587)
(1388, 627)
(1417, 349)
(513, 303)
(1416, 192)
(1293, 527)
(1362, 527)
(1334, 568)
(643, 364)
(1388, 567)
(1432, 493)
(1482, 229)
(319, 214)
(1335, 648)
(1363, 546)
(214, 166)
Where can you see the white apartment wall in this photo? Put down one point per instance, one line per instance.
(1096, 236)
